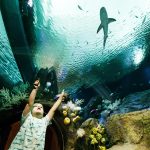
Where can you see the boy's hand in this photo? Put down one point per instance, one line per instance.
(36, 84)
(63, 95)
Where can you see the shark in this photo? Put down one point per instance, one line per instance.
(104, 23)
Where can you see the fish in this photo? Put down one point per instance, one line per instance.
(144, 20)
(104, 23)
(80, 7)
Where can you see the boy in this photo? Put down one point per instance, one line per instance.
(31, 135)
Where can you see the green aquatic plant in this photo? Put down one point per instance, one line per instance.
(19, 93)
(20, 89)
(17, 99)
(5, 97)
(9, 98)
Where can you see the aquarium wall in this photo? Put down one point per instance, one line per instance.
(9, 72)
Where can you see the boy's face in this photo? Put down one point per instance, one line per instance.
(37, 110)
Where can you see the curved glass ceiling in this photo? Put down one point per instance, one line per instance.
(66, 38)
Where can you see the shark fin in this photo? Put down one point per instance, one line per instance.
(100, 26)
(111, 20)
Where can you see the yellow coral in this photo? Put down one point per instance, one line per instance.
(99, 126)
(91, 136)
(98, 136)
(67, 121)
(103, 140)
(76, 119)
(94, 141)
(101, 130)
(65, 113)
(80, 132)
(102, 148)
(94, 130)
(72, 114)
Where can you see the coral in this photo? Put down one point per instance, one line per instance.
(97, 136)
(79, 101)
(71, 106)
(93, 134)
(99, 108)
(67, 120)
(70, 112)
(80, 133)
(109, 105)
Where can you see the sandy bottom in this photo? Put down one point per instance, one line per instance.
(127, 147)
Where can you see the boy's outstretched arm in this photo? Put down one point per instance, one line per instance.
(56, 105)
(31, 98)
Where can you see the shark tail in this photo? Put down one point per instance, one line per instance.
(104, 42)
(99, 28)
